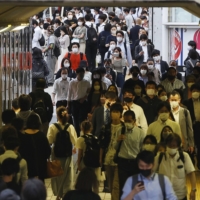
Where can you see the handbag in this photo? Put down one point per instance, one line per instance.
(54, 168)
(116, 158)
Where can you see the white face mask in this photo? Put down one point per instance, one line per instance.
(143, 43)
(195, 95)
(119, 39)
(190, 84)
(150, 92)
(171, 151)
(112, 46)
(64, 76)
(164, 116)
(150, 67)
(75, 50)
(143, 71)
(137, 91)
(113, 32)
(80, 23)
(174, 104)
(189, 48)
(119, 28)
(129, 126)
(163, 98)
(156, 58)
(66, 64)
(149, 147)
(116, 54)
(70, 16)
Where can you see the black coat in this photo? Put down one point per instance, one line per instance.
(134, 33)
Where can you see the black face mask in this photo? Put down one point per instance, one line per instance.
(135, 74)
(145, 172)
(170, 77)
(128, 99)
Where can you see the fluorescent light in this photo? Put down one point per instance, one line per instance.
(4, 29)
(18, 28)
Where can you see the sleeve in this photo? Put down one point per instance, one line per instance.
(73, 135)
(51, 134)
(127, 188)
(67, 42)
(143, 121)
(46, 147)
(137, 56)
(55, 89)
(169, 192)
(189, 129)
(188, 165)
(24, 171)
(108, 40)
(69, 98)
(84, 57)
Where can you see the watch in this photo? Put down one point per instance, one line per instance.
(194, 190)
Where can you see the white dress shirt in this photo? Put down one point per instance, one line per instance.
(36, 36)
(60, 88)
(176, 114)
(157, 66)
(101, 27)
(106, 81)
(144, 48)
(77, 89)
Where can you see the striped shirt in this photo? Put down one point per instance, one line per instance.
(169, 87)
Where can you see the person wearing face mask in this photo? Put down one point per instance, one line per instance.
(57, 24)
(60, 89)
(119, 28)
(75, 57)
(176, 165)
(183, 118)
(189, 81)
(131, 144)
(143, 51)
(147, 184)
(79, 34)
(162, 95)
(164, 133)
(111, 37)
(139, 92)
(110, 73)
(128, 97)
(149, 143)
(155, 128)
(161, 65)
(143, 73)
(149, 102)
(101, 23)
(76, 98)
(193, 105)
(171, 82)
(108, 141)
(112, 45)
(65, 63)
(37, 35)
(78, 12)
(71, 21)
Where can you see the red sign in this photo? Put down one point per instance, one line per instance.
(176, 45)
(197, 38)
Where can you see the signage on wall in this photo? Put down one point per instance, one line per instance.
(176, 45)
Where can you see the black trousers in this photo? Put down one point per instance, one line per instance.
(61, 103)
(126, 168)
(196, 129)
(91, 52)
(79, 113)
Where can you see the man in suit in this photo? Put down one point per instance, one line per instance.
(101, 115)
(193, 105)
(57, 24)
(161, 65)
(182, 117)
(143, 51)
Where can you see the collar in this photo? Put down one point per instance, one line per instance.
(157, 63)
(151, 177)
(161, 122)
(177, 111)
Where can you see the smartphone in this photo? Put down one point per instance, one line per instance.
(141, 183)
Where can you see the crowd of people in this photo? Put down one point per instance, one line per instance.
(142, 132)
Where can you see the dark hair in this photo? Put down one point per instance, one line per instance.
(161, 135)
(34, 22)
(87, 18)
(57, 21)
(192, 43)
(161, 86)
(63, 28)
(111, 14)
(75, 43)
(46, 25)
(8, 131)
(160, 91)
(41, 83)
(113, 85)
(127, 90)
(102, 16)
(25, 102)
(151, 83)
(8, 115)
(175, 92)
(11, 143)
(18, 123)
(173, 137)
(80, 70)
(92, 87)
(10, 166)
(145, 156)
(82, 20)
(86, 126)
(63, 61)
(130, 113)
(107, 60)
(171, 68)
(62, 117)
(121, 32)
(84, 64)
(33, 189)
(37, 53)
(163, 104)
(107, 27)
(8, 194)
(134, 68)
(115, 19)
(15, 104)
(120, 51)
(81, 183)
(150, 59)
(33, 122)
(150, 137)
(127, 10)
(193, 54)
(112, 41)
(116, 107)
(64, 68)
(195, 87)
(155, 52)
(143, 37)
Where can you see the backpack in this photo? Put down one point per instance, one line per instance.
(69, 55)
(42, 41)
(91, 154)
(92, 36)
(161, 183)
(39, 107)
(56, 50)
(37, 69)
(62, 145)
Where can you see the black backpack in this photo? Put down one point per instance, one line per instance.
(42, 41)
(69, 55)
(91, 154)
(37, 68)
(92, 36)
(39, 107)
(62, 145)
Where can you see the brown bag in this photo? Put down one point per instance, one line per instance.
(54, 168)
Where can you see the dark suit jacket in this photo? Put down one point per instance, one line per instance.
(164, 66)
(140, 58)
(57, 32)
(190, 106)
(134, 33)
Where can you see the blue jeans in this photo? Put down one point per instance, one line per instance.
(120, 80)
